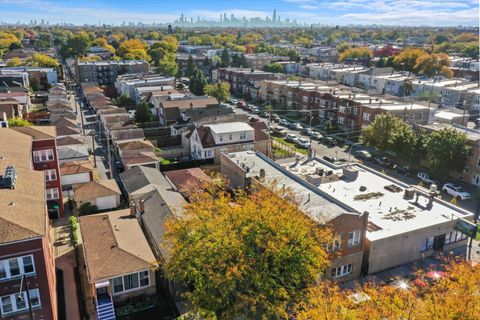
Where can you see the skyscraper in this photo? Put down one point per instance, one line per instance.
(274, 18)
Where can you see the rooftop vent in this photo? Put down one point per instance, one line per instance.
(9, 179)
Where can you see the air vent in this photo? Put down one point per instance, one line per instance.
(9, 179)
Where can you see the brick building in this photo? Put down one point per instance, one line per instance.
(25, 246)
(45, 158)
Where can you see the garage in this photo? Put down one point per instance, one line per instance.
(109, 202)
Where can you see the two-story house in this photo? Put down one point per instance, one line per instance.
(209, 141)
(26, 253)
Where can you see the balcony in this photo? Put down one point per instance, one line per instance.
(105, 309)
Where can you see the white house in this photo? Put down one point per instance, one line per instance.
(209, 141)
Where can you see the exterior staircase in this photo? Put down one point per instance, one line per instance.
(105, 309)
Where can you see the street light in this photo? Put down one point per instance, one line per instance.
(20, 295)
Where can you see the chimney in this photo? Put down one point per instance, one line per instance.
(141, 206)
(133, 209)
(191, 105)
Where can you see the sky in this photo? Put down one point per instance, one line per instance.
(341, 12)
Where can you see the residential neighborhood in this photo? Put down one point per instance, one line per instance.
(238, 164)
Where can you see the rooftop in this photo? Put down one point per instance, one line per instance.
(229, 127)
(114, 245)
(23, 212)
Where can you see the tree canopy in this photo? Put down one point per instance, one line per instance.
(197, 83)
(220, 91)
(251, 255)
(407, 58)
(356, 53)
(143, 112)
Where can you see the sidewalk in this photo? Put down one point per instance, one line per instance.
(65, 260)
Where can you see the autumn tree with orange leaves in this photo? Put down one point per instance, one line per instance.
(453, 294)
(251, 255)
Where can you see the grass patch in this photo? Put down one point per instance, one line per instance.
(291, 145)
(478, 233)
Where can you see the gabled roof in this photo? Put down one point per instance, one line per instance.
(188, 180)
(67, 131)
(159, 205)
(130, 146)
(127, 134)
(206, 137)
(96, 189)
(114, 245)
(72, 152)
(75, 167)
(74, 139)
(38, 132)
(139, 177)
(23, 213)
(139, 158)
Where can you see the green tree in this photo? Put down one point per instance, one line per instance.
(123, 101)
(220, 91)
(356, 53)
(252, 256)
(388, 132)
(225, 60)
(434, 64)
(190, 67)
(407, 59)
(197, 83)
(447, 150)
(78, 44)
(168, 66)
(143, 113)
(273, 67)
(18, 122)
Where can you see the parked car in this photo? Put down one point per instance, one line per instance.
(383, 161)
(234, 101)
(456, 191)
(304, 143)
(255, 110)
(275, 117)
(284, 123)
(307, 131)
(422, 176)
(279, 131)
(329, 159)
(241, 104)
(316, 135)
(363, 154)
(296, 126)
(291, 138)
(329, 141)
(263, 114)
(405, 170)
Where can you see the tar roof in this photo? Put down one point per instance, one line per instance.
(229, 127)
(317, 207)
(23, 212)
(388, 210)
(114, 245)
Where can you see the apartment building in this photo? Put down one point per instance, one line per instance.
(45, 158)
(241, 79)
(26, 252)
(349, 227)
(126, 84)
(391, 223)
(106, 72)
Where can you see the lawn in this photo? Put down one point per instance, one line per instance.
(291, 145)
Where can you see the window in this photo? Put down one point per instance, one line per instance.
(341, 120)
(336, 243)
(43, 155)
(230, 137)
(243, 135)
(353, 238)
(131, 282)
(221, 137)
(341, 271)
(13, 303)
(52, 194)
(366, 116)
(50, 175)
(144, 280)
(16, 267)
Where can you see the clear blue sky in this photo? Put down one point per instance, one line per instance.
(397, 12)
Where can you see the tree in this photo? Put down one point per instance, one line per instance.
(244, 257)
(14, 62)
(136, 54)
(190, 67)
(123, 101)
(434, 64)
(18, 122)
(167, 65)
(407, 59)
(143, 112)
(225, 59)
(273, 67)
(197, 83)
(132, 48)
(87, 208)
(388, 132)
(447, 150)
(220, 91)
(78, 44)
(42, 60)
(356, 53)
(341, 47)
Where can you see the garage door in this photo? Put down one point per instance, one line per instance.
(106, 203)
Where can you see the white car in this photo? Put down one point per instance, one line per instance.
(422, 176)
(456, 191)
(304, 143)
(292, 138)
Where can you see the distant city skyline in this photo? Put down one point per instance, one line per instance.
(341, 12)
